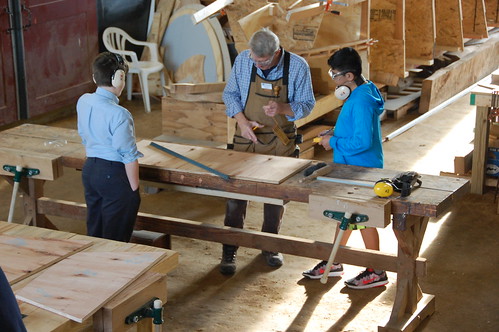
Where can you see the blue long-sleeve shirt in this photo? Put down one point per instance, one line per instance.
(300, 92)
(106, 128)
(357, 133)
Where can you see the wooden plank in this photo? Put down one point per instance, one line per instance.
(165, 9)
(472, 67)
(323, 105)
(23, 256)
(474, 21)
(211, 9)
(79, 285)
(387, 26)
(274, 242)
(304, 12)
(495, 77)
(449, 26)
(49, 165)
(419, 31)
(196, 88)
(463, 161)
(480, 150)
(377, 209)
(238, 165)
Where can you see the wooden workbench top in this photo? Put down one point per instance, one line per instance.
(434, 197)
(41, 320)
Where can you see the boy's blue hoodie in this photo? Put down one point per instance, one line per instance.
(357, 133)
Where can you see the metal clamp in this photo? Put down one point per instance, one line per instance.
(340, 216)
(152, 309)
(28, 172)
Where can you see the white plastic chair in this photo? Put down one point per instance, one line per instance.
(115, 40)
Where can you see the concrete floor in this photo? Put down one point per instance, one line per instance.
(460, 248)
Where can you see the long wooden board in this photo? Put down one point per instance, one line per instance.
(79, 285)
(22, 256)
(238, 165)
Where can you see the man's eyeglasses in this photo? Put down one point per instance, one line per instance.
(333, 76)
(264, 63)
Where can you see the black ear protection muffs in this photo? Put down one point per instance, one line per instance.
(118, 77)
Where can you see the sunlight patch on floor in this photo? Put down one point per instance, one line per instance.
(441, 156)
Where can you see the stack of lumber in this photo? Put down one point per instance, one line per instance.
(393, 37)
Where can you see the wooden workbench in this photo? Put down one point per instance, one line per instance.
(111, 317)
(410, 215)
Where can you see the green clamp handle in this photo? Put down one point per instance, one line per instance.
(340, 216)
(20, 171)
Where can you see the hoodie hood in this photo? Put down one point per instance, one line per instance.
(370, 93)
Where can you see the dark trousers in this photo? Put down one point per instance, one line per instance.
(112, 205)
(10, 316)
(236, 212)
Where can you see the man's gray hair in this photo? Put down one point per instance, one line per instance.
(264, 43)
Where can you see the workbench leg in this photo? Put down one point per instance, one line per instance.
(32, 190)
(411, 306)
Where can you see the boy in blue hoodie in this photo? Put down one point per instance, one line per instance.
(356, 140)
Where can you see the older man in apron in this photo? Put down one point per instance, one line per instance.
(269, 88)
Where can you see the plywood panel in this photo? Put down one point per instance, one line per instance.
(23, 256)
(238, 165)
(474, 21)
(492, 13)
(449, 26)
(196, 121)
(294, 36)
(352, 21)
(419, 31)
(387, 56)
(79, 285)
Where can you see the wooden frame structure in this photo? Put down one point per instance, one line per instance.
(410, 215)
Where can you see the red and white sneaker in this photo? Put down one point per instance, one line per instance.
(367, 279)
(318, 271)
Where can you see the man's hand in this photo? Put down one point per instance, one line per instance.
(247, 130)
(274, 108)
(247, 127)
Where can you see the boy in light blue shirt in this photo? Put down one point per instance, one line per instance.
(111, 171)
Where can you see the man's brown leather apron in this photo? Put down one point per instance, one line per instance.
(261, 91)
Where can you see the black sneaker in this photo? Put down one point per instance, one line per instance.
(367, 279)
(273, 259)
(228, 262)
